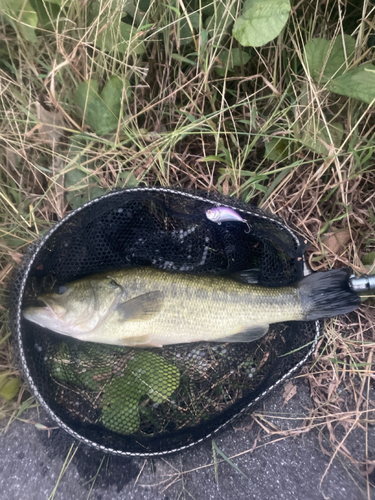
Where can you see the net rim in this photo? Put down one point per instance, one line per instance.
(18, 313)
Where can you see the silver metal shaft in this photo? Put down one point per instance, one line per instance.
(362, 284)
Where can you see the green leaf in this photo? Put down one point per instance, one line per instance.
(144, 5)
(154, 376)
(237, 57)
(326, 59)
(129, 41)
(208, 7)
(358, 83)
(261, 21)
(86, 97)
(110, 33)
(101, 112)
(122, 417)
(78, 198)
(368, 259)
(81, 366)
(222, 17)
(22, 17)
(177, 57)
(47, 13)
(276, 149)
(215, 447)
(327, 63)
(79, 187)
(28, 22)
(127, 179)
(10, 387)
(185, 31)
(314, 135)
(132, 8)
(111, 96)
(147, 374)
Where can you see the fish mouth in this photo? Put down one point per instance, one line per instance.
(35, 302)
(41, 310)
(50, 308)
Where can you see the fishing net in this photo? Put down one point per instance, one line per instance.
(153, 401)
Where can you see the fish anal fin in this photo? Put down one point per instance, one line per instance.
(248, 335)
(141, 308)
(140, 341)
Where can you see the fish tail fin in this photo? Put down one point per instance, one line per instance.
(327, 294)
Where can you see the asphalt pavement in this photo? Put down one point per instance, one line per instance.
(38, 464)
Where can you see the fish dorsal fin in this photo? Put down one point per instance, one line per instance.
(141, 308)
(248, 276)
(248, 335)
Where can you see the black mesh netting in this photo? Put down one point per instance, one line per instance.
(152, 401)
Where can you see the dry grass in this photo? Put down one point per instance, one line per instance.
(185, 125)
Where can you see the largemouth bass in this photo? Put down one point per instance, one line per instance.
(148, 307)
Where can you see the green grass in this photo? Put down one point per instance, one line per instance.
(186, 118)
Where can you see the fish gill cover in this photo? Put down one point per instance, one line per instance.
(154, 401)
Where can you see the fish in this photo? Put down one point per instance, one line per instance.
(146, 307)
(225, 214)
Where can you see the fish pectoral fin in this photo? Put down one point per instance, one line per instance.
(248, 335)
(140, 341)
(141, 308)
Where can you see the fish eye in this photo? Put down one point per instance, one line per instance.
(62, 289)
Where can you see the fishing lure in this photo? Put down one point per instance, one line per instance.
(225, 214)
